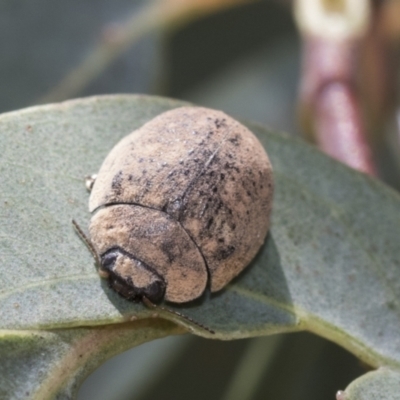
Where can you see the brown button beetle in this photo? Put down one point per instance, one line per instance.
(180, 203)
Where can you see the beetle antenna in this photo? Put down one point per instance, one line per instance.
(149, 304)
(88, 243)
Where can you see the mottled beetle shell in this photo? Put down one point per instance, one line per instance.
(185, 199)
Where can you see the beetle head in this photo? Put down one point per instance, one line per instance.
(131, 278)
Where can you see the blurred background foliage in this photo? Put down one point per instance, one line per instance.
(239, 56)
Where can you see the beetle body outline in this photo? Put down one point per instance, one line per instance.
(182, 202)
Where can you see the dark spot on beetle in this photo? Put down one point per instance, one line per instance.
(210, 199)
(116, 184)
(222, 177)
(269, 185)
(248, 193)
(215, 189)
(235, 140)
(130, 177)
(233, 227)
(223, 254)
(229, 211)
(247, 212)
(261, 186)
(233, 178)
(166, 247)
(253, 183)
(219, 122)
(221, 240)
(209, 223)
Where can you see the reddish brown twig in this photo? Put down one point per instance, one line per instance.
(331, 106)
(340, 127)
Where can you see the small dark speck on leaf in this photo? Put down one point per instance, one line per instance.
(391, 305)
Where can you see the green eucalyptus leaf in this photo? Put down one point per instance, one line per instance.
(383, 384)
(330, 264)
(51, 364)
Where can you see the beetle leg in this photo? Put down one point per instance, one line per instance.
(103, 273)
(149, 304)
